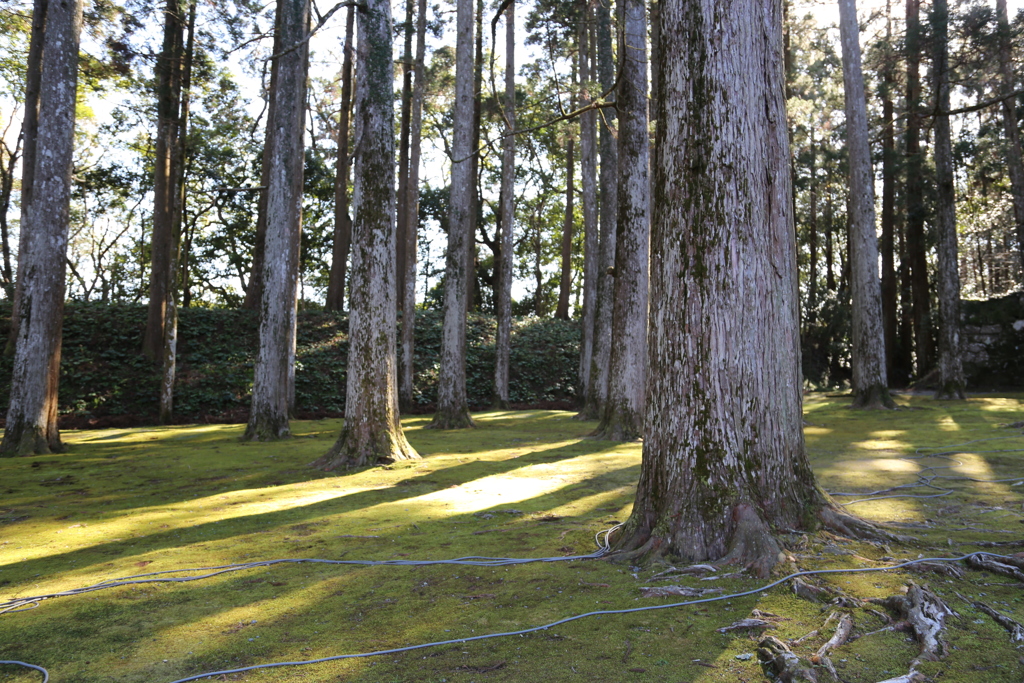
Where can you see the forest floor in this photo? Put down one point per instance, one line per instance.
(523, 484)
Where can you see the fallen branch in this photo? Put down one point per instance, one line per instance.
(684, 591)
(746, 624)
(780, 664)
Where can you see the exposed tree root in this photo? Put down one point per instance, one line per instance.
(781, 665)
(854, 527)
(746, 625)
(990, 564)
(842, 634)
(351, 450)
(875, 397)
(949, 569)
(809, 591)
(1015, 629)
(950, 391)
(752, 543)
(926, 613)
(451, 420)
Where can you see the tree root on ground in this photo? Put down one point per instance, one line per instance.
(926, 613)
(1015, 629)
(990, 564)
(842, 634)
(780, 664)
(944, 568)
(850, 526)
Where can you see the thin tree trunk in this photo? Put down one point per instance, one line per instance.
(812, 241)
(503, 343)
(335, 300)
(870, 384)
(268, 416)
(168, 76)
(32, 413)
(452, 404)
(402, 220)
(1014, 161)
(565, 281)
(916, 246)
(373, 432)
(622, 418)
(406, 366)
(951, 370)
(472, 284)
(588, 177)
(597, 386)
(724, 463)
(887, 245)
(7, 166)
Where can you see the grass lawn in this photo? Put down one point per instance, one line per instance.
(523, 484)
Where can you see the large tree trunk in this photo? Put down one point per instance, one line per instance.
(452, 404)
(406, 367)
(402, 217)
(372, 433)
(268, 416)
(1014, 162)
(165, 174)
(32, 414)
(335, 300)
(915, 236)
(870, 384)
(565, 280)
(888, 242)
(622, 417)
(724, 462)
(597, 386)
(951, 370)
(503, 296)
(588, 178)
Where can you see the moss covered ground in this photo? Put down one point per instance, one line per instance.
(523, 484)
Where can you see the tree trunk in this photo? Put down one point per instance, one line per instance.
(597, 386)
(472, 285)
(32, 413)
(406, 366)
(165, 174)
(372, 433)
(588, 177)
(915, 236)
(402, 218)
(888, 242)
(452, 404)
(724, 462)
(503, 302)
(268, 416)
(622, 418)
(951, 370)
(870, 384)
(812, 238)
(1014, 162)
(335, 300)
(565, 281)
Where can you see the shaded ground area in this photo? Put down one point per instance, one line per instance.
(525, 484)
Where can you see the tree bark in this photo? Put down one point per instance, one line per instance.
(588, 178)
(870, 384)
(406, 366)
(951, 370)
(724, 461)
(32, 413)
(888, 243)
(503, 303)
(168, 76)
(1014, 161)
(335, 300)
(402, 218)
(597, 386)
(268, 416)
(565, 280)
(812, 226)
(372, 433)
(452, 404)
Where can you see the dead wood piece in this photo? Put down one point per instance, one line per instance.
(842, 634)
(927, 613)
(767, 616)
(912, 677)
(746, 624)
(999, 544)
(780, 664)
(1015, 629)
(692, 570)
(811, 592)
(944, 568)
(989, 564)
(804, 637)
(684, 591)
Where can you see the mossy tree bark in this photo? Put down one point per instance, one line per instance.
(622, 417)
(870, 384)
(32, 413)
(452, 404)
(372, 433)
(597, 385)
(503, 297)
(342, 243)
(723, 457)
(951, 369)
(588, 179)
(268, 416)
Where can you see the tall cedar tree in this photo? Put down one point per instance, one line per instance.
(1014, 160)
(372, 433)
(452, 404)
(503, 296)
(870, 385)
(947, 273)
(402, 214)
(622, 418)
(268, 416)
(46, 195)
(724, 464)
(335, 299)
(588, 179)
(887, 243)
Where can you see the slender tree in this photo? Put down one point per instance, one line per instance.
(402, 214)
(335, 299)
(622, 417)
(887, 244)
(372, 432)
(452, 404)
(1014, 161)
(724, 464)
(565, 279)
(32, 413)
(503, 296)
(870, 385)
(588, 178)
(951, 371)
(268, 417)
